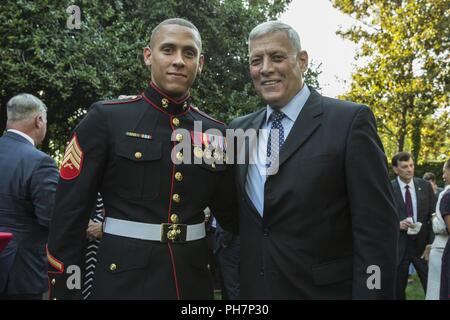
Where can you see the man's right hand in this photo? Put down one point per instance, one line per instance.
(405, 224)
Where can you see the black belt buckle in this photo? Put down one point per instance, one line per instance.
(175, 233)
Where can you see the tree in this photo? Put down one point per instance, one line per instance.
(72, 68)
(404, 47)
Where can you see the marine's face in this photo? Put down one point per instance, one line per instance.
(174, 59)
(276, 69)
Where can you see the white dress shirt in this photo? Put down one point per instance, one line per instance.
(20, 133)
(412, 190)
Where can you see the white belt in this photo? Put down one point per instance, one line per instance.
(154, 232)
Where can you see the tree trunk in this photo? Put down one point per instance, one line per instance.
(403, 127)
(416, 139)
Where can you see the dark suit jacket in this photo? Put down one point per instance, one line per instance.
(426, 205)
(27, 186)
(329, 212)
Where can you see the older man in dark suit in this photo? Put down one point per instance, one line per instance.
(27, 189)
(317, 220)
(416, 202)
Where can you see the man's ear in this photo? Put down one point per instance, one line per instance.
(395, 169)
(201, 63)
(303, 60)
(39, 121)
(147, 56)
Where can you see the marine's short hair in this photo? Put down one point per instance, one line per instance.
(180, 22)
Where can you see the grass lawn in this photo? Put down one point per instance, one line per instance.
(414, 290)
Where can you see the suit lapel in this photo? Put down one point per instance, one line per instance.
(399, 199)
(255, 124)
(307, 122)
(419, 198)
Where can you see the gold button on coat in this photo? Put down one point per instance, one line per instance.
(53, 281)
(113, 267)
(179, 137)
(180, 156)
(174, 218)
(176, 122)
(176, 197)
(178, 176)
(138, 155)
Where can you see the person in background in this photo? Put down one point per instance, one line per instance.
(27, 190)
(431, 178)
(438, 245)
(444, 211)
(415, 202)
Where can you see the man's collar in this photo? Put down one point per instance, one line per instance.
(402, 184)
(293, 108)
(20, 133)
(161, 101)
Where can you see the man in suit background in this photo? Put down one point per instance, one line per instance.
(415, 202)
(319, 225)
(27, 189)
(431, 178)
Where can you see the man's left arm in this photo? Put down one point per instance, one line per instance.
(374, 218)
(43, 188)
(224, 202)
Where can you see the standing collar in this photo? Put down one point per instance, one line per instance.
(159, 100)
(24, 135)
(293, 108)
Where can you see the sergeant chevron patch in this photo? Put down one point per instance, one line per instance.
(73, 160)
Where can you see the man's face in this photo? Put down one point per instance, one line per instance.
(446, 175)
(275, 69)
(175, 59)
(405, 170)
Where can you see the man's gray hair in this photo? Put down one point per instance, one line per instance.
(180, 22)
(25, 106)
(273, 26)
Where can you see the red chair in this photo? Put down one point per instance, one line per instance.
(5, 237)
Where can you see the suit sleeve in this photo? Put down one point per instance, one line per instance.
(224, 203)
(75, 198)
(374, 219)
(43, 187)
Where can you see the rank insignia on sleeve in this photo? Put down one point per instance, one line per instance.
(73, 160)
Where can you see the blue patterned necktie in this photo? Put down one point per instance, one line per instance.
(273, 147)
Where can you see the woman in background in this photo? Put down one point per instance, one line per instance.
(437, 248)
(444, 210)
